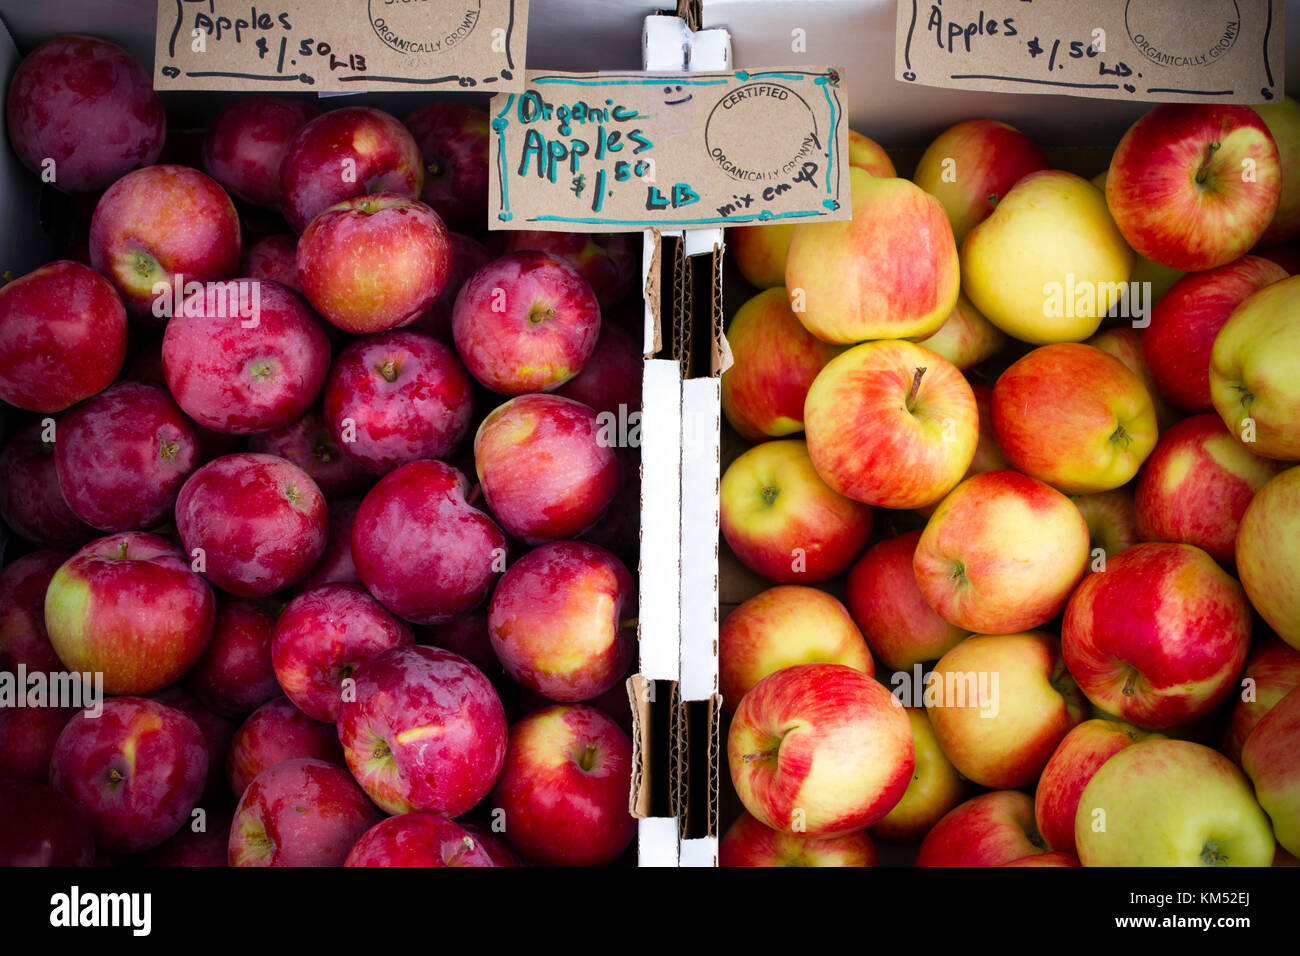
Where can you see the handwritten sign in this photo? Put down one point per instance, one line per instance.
(340, 45)
(1228, 51)
(610, 152)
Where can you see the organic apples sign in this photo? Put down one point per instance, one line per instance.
(602, 152)
(1149, 50)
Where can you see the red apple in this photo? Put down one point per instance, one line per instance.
(935, 788)
(271, 829)
(43, 827)
(159, 228)
(195, 848)
(336, 565)
(610, 262)
(562, 621)
(525, 323)
(28, 736)
(273, 258)
(564, 788)
(1184, 323)
(453, 141)
(547, 466)
(891, 424)
(63, 309)
(30, 501)
(1196, 486)
(1112, 522)
(1053, 858)
(128, 606)
(217, 732)
(1159, 638)
(1178, 186)
(1125, 344)
(418, 839)
(424, 552)
(610, 380)
(137, 770)
(425, 731)
(1074, 417)
(748, 843)
(396, 397)
(775, 360)
(1001, 554)
(783, 521)
(882, 595)
(1270, 759)
(966, 338)
(246, 142)
(467, 257)
(308, 444)
(234, 676)
(992, 829)
(246, 369)
(467, 635)
(819, 749)
(322, 637)
(122, 455)
(374, 262)
(275, 732)
(23, 638)
(343, 154)
(1272, 671)
(86, 105)
(256, 523)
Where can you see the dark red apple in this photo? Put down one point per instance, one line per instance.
(246, 142)
(453, 141)
(419, 839)
(30, 501)
(275, 732)
(308, 443)
(467, 257)
(23, 638)
(28, 736)
(275, 258)
(234, 675)
(195, 848)
(610, 262)
(610, 381)
(335, 565)
(42, 827)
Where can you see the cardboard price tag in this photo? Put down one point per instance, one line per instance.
(340, 45)
(621, 152)
(1227, 51)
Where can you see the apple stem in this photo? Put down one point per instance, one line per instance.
(169, 449)
(322, 453)
(1131, 683)
(587, 759)
(916, 386)
(769, 494)
(1212, 855)
(759, 755)
(1203, 173)
(389, 370)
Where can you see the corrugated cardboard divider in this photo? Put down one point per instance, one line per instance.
(701, 723)
(655, 774)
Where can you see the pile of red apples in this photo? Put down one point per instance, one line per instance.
(1018, 482)
(313, 476)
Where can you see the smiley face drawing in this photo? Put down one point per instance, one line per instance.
(675, 91)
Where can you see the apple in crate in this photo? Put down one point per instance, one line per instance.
(610, 262)
(272, 829)
(971, 166)
(251, 360)
(421, 549)
(122, 456)
(309, 444)
(1272, 671)
(525, 322)
(396, 397)
(783, 521)
(1254, 381)
(891, 424)
(781, 627)
(775, 360)
(374, 262)
(1271, 758)
(28, 736)
(547, 466)
(1001, 554)
(935, 788)
(1112, 521)
(749, 843)
(336, 565)
(1074, 417)
(833, 275)
(275, 732)
(322, 636)
(467, 257)
(1187, 319)
(234, 675)
(610, 380)
(993, 829)
(1268, 555)
(1000, 704)
(137, 769)
(159, 227)
(253, 524)
(418, 839)
(819, 749)
(1160, 637)
(83, 111)
(1078, 756)
(138, 645)
(564, 788)
(23, 637)
(966, 338)
(275, 258)
(208, 847)
(47, 829)
(453, 142)
(424, 730)
(1196, 486)
(1194, 185)
(1283, 121)
(30, 501)
(562, 621)
(1125, 343)
(1048, 264)
(899, 625)
(246, 142)
(64, 309)
(1171, 803)
(344, 154)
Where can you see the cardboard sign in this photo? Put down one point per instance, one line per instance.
(1225, 51)
(340, 45)
(620, 152)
